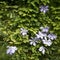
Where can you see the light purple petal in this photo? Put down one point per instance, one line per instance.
(52, 36)
(11, 49)
(46, 29)
(44, 9)
(42, 49)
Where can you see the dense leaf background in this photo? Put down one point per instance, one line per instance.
(16, 14)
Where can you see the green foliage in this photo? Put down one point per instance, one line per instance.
(16, 14)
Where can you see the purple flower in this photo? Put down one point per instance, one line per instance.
(41, 35)
(44, 9)
(42, 49)
(52, 36)
(46, 29)
(11, 49)
(33, 41)
(47, 42)
(23, 31)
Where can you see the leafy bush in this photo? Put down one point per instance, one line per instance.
(16, 14)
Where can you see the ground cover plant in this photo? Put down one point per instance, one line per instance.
(29, 29)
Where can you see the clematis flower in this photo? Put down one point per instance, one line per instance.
(23, 31)
(52, 36)
(44, 9)
(47, 42)
(11, 49)
(41, 35)
(42, 49)
(33, 41)
(46, 29)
